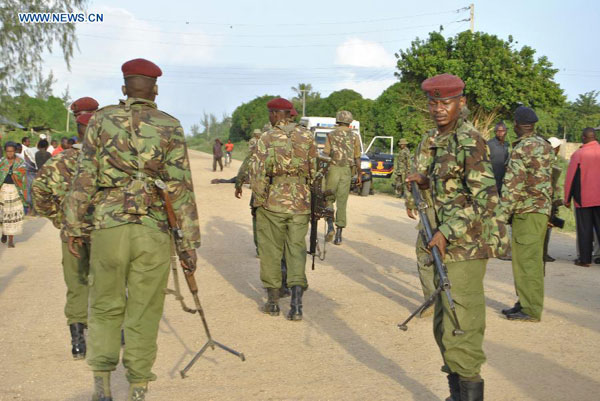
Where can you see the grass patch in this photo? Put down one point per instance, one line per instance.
(384, 185)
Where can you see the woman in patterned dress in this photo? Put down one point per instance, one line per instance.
(13, 192)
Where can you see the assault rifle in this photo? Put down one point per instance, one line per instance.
(188, 273)
(440, 267)
(318, 208)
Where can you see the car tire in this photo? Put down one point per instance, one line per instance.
(366, 188)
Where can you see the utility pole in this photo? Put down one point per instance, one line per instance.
(67, 128)
(472, 18)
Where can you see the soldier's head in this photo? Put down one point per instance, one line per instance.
(344, 117)
(525, 119)
(279, 110)
(84, 105)
(293, 114)
(82, 122)
(140, 78)
(500, 131)
(256, 133)
(588, 135)
(402, 143)
(445, 99)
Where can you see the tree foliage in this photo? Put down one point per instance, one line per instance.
(248, 117)
(22, 45)
(498, 76)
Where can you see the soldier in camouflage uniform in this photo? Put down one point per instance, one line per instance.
(126, 148)
(469, 230)
(424, 260)
(527, 198)
(49, 188)
(281, 172)
(343, 147)
(402, 168)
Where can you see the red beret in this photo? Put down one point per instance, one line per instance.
(280, 104)
(140, 66)
(293, 113)
(84, 104)
(84, 119)
(443, 86)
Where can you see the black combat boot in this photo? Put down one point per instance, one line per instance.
(471, 390)
(330, 230)
(296, 304)
(284, 291)
(338, 236)
(77, 340)
(272, 305)
(514, 309)
(102, 386)
(454, 384)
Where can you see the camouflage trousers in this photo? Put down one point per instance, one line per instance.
(462, 354)
(131, 260)
(400, 186)
(425, 265)
(528, 235)
(338, 181)
(282, 236)
(75, 272)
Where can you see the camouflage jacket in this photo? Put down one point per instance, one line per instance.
(282, 169)
(420, 164)
(343, 146)
(50, 187)
(242, 175)
(527, 186)
(403, 162)
(555, 176)
(464, 195)
(126, 147)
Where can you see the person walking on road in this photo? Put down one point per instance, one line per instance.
(217, 154)
(126, 148)
(582, 186)
(527, 200)
(343, 147)
(228, 152)
(13, 194)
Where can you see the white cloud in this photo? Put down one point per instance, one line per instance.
(363, 53)
(370, 87)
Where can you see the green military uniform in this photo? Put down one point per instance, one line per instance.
(466, 203)
(49, 188)
(281, 172)
(126, 147)
(527, 197)
(343, 146)
(243, 177)
(425, 265)
(401, 169)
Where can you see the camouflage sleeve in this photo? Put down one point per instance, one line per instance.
(85, 181)
(419, 165)
(513, 185)
(357, 150)
(258, 176)
(45, 201)
(327, 148)
(181, 189)
(242, 175)
(481, 184)
(312, 161)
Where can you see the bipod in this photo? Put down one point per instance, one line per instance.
(403, 326)
(210, 343)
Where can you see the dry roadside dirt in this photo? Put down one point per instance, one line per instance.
(348, 346)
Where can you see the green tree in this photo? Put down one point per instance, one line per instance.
(498, 76)
(248, 117)
(22, 45)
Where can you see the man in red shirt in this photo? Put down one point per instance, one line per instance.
(228, 150)
(581, 184)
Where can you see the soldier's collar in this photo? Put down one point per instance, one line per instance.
(519, 139)
(138, 100)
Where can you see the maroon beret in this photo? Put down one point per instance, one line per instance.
(293, 113)
(140, 66)
(280, 104)
(443, 86)
(84, 118)
(84, 104)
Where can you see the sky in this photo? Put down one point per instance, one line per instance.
(216, 55)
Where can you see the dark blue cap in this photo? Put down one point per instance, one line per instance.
(525, 115)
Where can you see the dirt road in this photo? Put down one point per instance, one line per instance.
(347, 347)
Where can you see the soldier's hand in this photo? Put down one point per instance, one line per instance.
(238, 192)
(189, 265)
(440, 241)
(411, 213)
(73, 242)
(421, 180)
